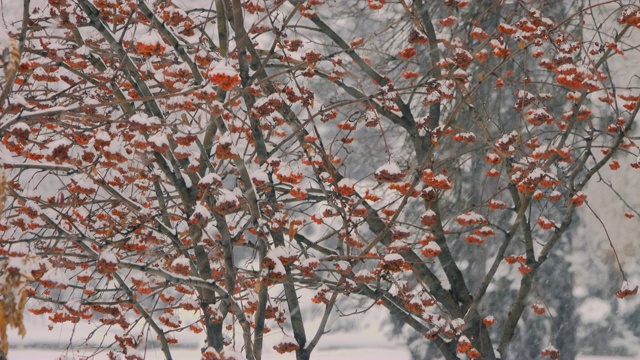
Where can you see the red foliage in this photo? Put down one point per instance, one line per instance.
(153, 168)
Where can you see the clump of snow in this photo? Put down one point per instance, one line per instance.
(283, 252)
(180, 261)
(171, 319)
(140, 277)
(389, 172)
(346, 183)
(277, 267)
(391, 168)
(102, 135)
(226, 140)
(230, 354)
(152, 38)
(23, 264)
(183, 151)
(397, 287)
(310, 262)
(536, 175)
(5, 40)
(393, 257)
(342, 265)
(459, 73)
(363, 273)
(397, 245)
(84, 181)
(433, 246)
(143, 119)
(20, 126)
(214, 311)
(191, 301)
(83, 51)
(55, 276)
(210, 179)
(59, 143)
(109, 257)
(224, 70)
(226, 196)
(470, 217)
(259, 177)
(457, 323)
(159, 139)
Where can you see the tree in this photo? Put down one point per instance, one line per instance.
(162, 159)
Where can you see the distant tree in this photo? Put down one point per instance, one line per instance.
(162, 159)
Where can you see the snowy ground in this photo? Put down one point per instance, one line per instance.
(363, 337)
(364, 342)
(366, 339)
(382, 350)
(336, 354)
